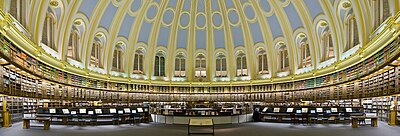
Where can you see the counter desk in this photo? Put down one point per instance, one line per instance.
(218, 119)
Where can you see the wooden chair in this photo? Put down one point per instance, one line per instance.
(293, 118)
(314, 119)
(93, 120)
(81, 121)
(305, 118)
(71, 120)
(131, 119)
(115, 119)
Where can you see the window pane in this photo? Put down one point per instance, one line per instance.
(203, 63)
(51, 33)
(218, 73)
(183, 73)
(120, 61)
(44, 33)
(183, 64)
(244, 72)
(203, 73)
(218, 65)
(162, 66)
(238, 63)
(238, 72)
(136, 62)
(244, 64)
(197, 64)
(224, 73)
(355, 35)
(265, 63)
(177, 73)
(224, 64)
(177, 64)
(260, 63)
(141, 63)
(156, 66)
(115, 59)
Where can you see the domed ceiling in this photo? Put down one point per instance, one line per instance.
(201, 40)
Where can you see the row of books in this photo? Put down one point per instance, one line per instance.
(17, 83)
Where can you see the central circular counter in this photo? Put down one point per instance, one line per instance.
(218, 119)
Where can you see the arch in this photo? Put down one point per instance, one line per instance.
(138, 61)
(159, 64)
(180, 65)
(118, 58)
(200, 66)
(327, 49)
(97, 50)
(19, 10)
(241, 64)
(351, 29)
(283, 57)
(304, 51)
(73, 44)
(262, 61)
(380, 12)
(220, 65)
(101, 38)
(49, 30)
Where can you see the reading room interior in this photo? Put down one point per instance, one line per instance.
(190, 67)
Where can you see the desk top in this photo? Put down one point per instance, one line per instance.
(201, 122)
(32, 118)
(364, 117)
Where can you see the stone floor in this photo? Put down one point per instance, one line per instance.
(244, 129)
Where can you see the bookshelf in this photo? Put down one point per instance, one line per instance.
(22, 75)
(378, 105)
(1, 111)
(15, 108)
(398, 110)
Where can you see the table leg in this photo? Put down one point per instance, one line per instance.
(374, 122)
(354, 123)
(188, 129)
(213, 129)
(64, 120)
(123, 119)
(46, 125)
(26, 124)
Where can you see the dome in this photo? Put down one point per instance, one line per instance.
(203, 41)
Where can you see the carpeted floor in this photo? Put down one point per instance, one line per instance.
(244, 129)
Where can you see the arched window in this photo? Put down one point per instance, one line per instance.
(221, 66)
(241, 65)
(327, 46)
(118, 59)
(380, 11)
(138, 62)
(95, 57)
(159, 65)
(73, 44)
(305, 56)
(180, 65)
(49, 30)
(262, 62)
(351, 32)
(200, 69)
(283, 58)
(18, 9)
